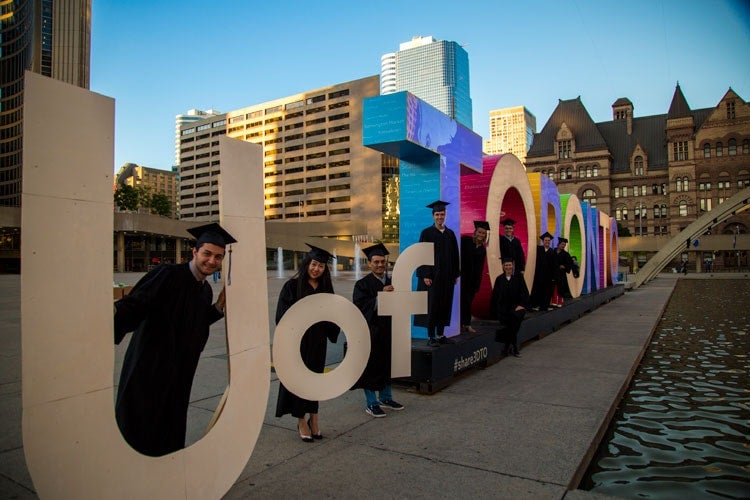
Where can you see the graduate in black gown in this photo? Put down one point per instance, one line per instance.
(563, 265)
(510, 246)
(313, 277)
(509, 302)
(170, 310)
(376, 379)
(439, 280)
(473, 256)
(544, 274)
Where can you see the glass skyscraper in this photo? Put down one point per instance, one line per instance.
(436, 71)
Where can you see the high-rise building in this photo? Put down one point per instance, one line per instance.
(511, 131)
(49, 37)
(436, 71)
(315, 166)
(193, 115)
(153, 180)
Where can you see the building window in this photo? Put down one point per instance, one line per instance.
(580, 172)
(551, 174)
(562, 174)
(563, 149)
(732, 147)
(617, 192)
(625, 192)
(707, 151)
(595, 171)
(746, 146)
(657, 212)
(635, 190)
(680, 150)
(719, 149)
(683, 209)
(638, 163)
(663, 211)
(643, 190)
(621, 213)
(705, 204)
(590, 196)
(730, 110)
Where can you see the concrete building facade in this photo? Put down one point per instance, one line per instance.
(192, 115)
(511, 131)
(653, 174)
(153, 180)
(315, 166)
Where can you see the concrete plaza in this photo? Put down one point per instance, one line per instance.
(522, 428)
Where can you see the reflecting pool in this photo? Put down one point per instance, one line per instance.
(683, 428)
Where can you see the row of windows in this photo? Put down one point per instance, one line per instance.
(640, 190)
(569, 172)
(731, 148)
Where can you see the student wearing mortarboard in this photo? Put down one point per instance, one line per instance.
(544, 274)
(510, 246)
(439, 279)
(473, 255)
(313, 277)
(376, 379)
(170, 312)
(509, 302)
(563, 265)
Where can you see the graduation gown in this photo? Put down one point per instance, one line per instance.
(563, 265)
(171, 313)
(512, 248)
(377, 373)
(507, 294)
(312, 348)
(443, 274)
(472, 266)
(544, 275)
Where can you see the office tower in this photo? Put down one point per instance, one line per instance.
(193, 115)
(315, 166)
(52, 38)
(511, 131)
(436, 71)
(153, 180)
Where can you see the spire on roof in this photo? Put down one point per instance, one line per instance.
(679, 107)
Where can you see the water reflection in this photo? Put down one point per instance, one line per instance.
(682, 430)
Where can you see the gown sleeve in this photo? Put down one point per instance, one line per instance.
(132, 309)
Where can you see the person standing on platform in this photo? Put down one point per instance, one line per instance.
(510, 246)
(377, 374)
(563, 265)
(544, 275)
(473, 255)
(170, 312)
(510, 298)
(439, 279)
(313, 277)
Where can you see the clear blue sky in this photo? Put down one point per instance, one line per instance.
(162, 58)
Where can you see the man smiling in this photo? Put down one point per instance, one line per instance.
(170, 310)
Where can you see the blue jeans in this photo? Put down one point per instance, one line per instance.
(385, 395)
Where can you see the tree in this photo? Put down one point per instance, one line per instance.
(127, 198)
(160, 204)
(623, 230)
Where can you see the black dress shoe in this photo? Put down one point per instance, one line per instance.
(315, 436)
(432, 342)
(445, 340)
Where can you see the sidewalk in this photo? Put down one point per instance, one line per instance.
(522, 428)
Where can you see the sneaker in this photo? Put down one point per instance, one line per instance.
(432, 341)
(375, 410)
(392, 405)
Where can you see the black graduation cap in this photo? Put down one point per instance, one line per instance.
(545, 235)
(438, 206)
(508, 222)
(481, 223)
(561, 240)
(212, 233)
(506, 259)
(318, 254)
(374, 250)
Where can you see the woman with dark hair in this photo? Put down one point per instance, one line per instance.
(313, 277)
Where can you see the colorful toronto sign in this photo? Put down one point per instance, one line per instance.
(442, 159)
